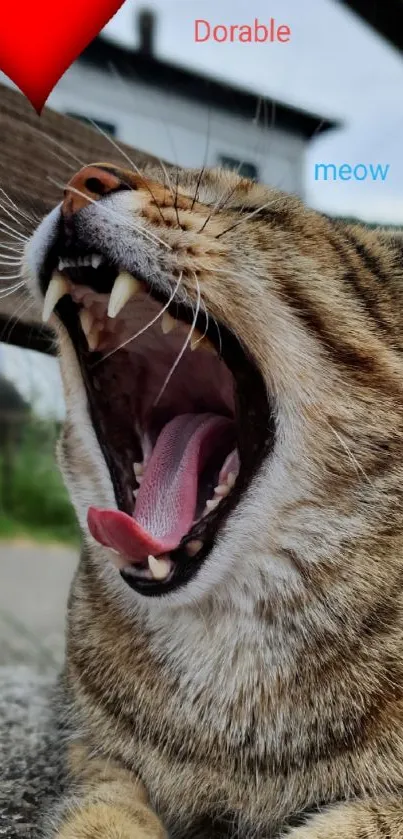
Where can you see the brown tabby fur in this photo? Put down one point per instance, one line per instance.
(269, 703)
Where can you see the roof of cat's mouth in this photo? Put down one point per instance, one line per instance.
(180, 412)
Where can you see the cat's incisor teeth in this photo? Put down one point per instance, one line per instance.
(212, 504)
(168, 323)
(159, 568)
(57, 288)
(124, 287)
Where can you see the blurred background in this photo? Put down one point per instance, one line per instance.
(332, 95)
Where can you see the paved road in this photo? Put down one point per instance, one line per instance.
(34, 584)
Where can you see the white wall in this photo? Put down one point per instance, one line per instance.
(177, 129)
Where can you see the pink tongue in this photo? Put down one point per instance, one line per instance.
(167, 498)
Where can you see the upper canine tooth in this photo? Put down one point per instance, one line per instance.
(168, 323)
(125, 286)
(159, 568)
(57, 288)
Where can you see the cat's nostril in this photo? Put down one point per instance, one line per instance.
(89, 184)
(96, 186)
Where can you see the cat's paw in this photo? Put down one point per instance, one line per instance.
(103, 821)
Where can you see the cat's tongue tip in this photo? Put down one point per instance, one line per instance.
(119, 531)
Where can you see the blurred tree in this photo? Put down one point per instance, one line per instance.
(14, 415)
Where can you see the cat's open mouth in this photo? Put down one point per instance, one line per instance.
(180, 412)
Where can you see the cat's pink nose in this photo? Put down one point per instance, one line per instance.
(88, 185)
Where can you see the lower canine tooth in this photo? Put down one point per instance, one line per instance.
(159, 568)
(124, 287)
(195, 340)
(57, 288)
(168, 323)
(87, 322)
(212, 504)
(205, 344)
(93, 339)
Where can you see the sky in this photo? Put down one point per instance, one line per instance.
(335, 65)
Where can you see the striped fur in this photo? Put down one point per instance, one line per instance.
(266, 699)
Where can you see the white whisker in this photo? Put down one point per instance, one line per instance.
(13, 248)
(148, 234)
(357, 466)
(130, 161)
(57, 143)
(10, 214)
(62, 160)
(11, 290)
(246, 218)
(16, 208)
(147, 326)
(13, 234)
(188, 339)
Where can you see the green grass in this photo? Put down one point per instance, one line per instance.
(33, 500)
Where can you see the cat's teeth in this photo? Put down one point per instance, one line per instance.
(212, 504)
(195, 340)
(87, 322)
(135, 493)
(96, 260)
(138, 469)
(57, 288)
(125, 287)
(222, 490)
(231, 478)
(93, 338)
(192, 548)
(160, 568)
(168, 323)
(205, 344)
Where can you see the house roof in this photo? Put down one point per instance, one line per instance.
(149, 69)
(386, 18)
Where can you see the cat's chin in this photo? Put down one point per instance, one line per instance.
(181, 414)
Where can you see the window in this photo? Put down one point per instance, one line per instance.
(247, 170)
(108, 127)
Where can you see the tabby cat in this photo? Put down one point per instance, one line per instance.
(233, 372)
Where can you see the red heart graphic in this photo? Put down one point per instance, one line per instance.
(39, 39)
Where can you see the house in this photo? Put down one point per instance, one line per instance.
(183, 116)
